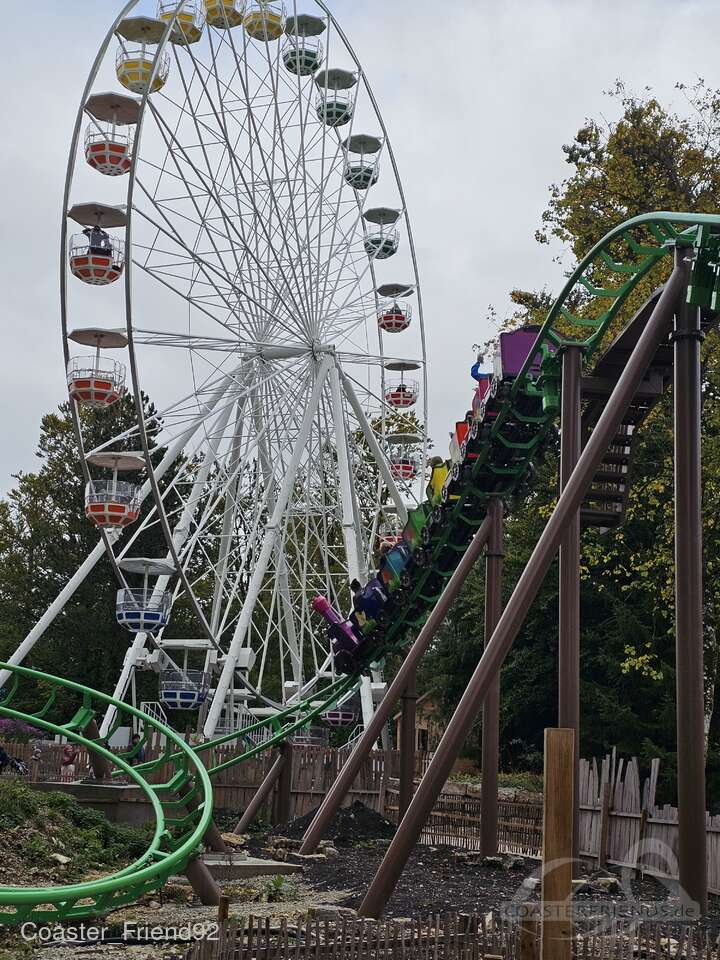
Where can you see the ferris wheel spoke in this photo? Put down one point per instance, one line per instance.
(234, 229)
(221, 100)
(213, 107)
(208, 269)
(287, 161)
(256, 141)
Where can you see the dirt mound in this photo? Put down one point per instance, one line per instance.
(347, 827)
(49, 838)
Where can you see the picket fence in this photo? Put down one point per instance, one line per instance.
(454, 937)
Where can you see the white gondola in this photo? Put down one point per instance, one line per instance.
(113, 504)
(335, 101)
(224, 14)
(303, 52)
(188, 20)
(362, 169)
(383, 241)
(96, 257)
(145, 609)
(340, 718)
(184, 689)
(96, 381)
(135, 63)
(109, 138)
(264, 20)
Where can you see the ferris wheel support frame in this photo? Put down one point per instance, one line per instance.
(356, 566)
(356, 562)
(225, 682)
(180, 536)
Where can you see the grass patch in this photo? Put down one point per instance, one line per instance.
(527, 782)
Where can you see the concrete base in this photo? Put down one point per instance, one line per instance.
(224, 867)
(119, 804)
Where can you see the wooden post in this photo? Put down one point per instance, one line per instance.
(223, 909)
(530, 933)
(100, 765)
(641, 843)
(604, 826)
(557, 864)
(408, 738)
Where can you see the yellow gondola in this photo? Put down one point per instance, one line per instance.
(264, 20)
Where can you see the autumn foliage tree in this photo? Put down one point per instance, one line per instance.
(649, 159)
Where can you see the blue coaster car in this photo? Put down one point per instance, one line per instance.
(371, 600)
(393, 564)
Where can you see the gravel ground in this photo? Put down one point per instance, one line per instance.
(436, 880)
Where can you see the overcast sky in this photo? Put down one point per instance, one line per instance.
(478, 97)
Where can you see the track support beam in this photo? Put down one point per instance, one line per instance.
(692, 847)
(408, 743)
(431, 786)
(202, 882)
(261, 795)
(494, 557)
(569, 641)
(283, 794)
(339, 790)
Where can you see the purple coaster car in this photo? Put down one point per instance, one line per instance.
(513, 350)
(341, 631)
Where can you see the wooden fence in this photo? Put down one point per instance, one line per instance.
(314, 770)
(455, 937)
(455, 822)
(621, 824)
(449, 938)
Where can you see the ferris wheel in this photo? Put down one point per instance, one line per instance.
(236, 246)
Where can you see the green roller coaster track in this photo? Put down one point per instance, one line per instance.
(496, 464)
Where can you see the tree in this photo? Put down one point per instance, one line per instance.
(44, 537)
(650, 159)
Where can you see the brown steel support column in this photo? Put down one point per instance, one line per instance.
(213, 838)
(569, 644)
(261, 795)
(351, 768)
(100, 765)
(283, 795)
(689, 608)
(491, 707)
(511, 621)
(408, 743)
(202, 882)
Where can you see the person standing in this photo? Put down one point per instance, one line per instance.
(67, 762)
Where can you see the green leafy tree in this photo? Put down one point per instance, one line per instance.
(650, 159)
(45, 536)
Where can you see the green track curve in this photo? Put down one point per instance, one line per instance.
(496, 463)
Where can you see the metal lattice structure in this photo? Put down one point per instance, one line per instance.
(250, 284)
